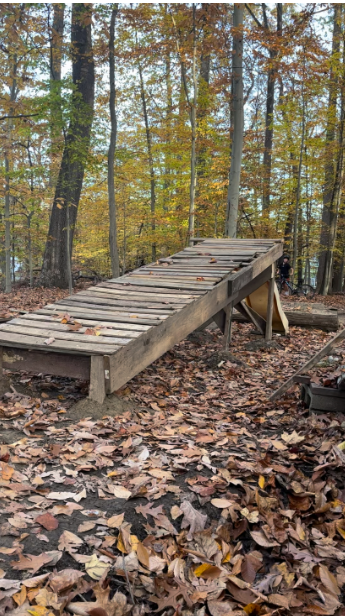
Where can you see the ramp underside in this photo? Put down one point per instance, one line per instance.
(113, 330)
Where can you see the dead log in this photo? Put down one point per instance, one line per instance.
(325, 319)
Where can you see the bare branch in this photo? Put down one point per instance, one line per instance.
(253, 16)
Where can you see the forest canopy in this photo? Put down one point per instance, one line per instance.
(121, 125)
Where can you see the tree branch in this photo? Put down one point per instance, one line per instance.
(22, 115)
(253, 16)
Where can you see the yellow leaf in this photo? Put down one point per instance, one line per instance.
(262, 482)
(40, 610)
(208, 572)
(134, 542)
(120, 546)
(199, 570)
(143, 555)
(20, 597)
(59, 206)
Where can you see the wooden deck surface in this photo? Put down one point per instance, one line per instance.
(130, 321)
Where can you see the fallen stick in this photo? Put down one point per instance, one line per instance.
(310, 364)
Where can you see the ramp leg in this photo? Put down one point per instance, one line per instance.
(227, 328)
(1, 366)
(270, 300)
(97, 379)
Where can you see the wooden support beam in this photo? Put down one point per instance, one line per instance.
(97, 379)
(59, 364)
(227, 326)
(270, 300)
(309, 364)
(252, 316)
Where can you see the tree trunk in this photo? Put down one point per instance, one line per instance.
(7, 211)
(70, 180)
(192, 115)
(271, 79)
(298, 213)
(114, 255)
(151, 167)
(203, 97)
(237, 140)
(323, 274)
(56, 121)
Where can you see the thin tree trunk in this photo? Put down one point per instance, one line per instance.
(7, 211)
(327, 212)
(114, 255)
(150, 159)
(298, 187)
(56, 260)
(56, 122)
(237, 140)
(203, 104)
(191, 223)
(271, 79)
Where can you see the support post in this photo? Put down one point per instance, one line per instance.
(1, 366)
(270, 300)
(227, 328)
(97, 379)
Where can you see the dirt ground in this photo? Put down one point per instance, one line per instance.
(190, 450)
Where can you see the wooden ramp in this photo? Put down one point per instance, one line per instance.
(115, 329)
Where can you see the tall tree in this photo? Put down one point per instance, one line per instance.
(238, 124)
(114, 254)
(56, 268)
(56, 50)
(329, 197)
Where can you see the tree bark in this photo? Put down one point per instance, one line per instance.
(238, 117)
(297, 224)
(271, 79)
(192, 115)
(56, 122)
(323, 274)
(150, 159)
(114, 254)
(56, 263)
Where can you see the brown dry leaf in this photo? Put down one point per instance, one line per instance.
(293, 438)
(143, 555)
(68, 540)
(329, 580)
(207, 572)
(221, 608)
(249, 567)
(262, 540)
(279, 600)
(64, 579)
(192, 518)
(117, 606)
(34, 563)
(221, 503)
(116, 520)
(161, 474)
(121, 492)
(86, 526)
(48, 521)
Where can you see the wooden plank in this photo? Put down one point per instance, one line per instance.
(97, 379)
(126, 286)
(61, 327)
(188, 272)
(127, 328)
(121, 304)
(173, 276)
(36, 342)
(145, 313)
(107, 293)
(251, 316)
(97, 316)
(148, 296)
(230, 259)
(47, 333)
(270, 299)
(309, 364)
(193, 286)
(59, 364)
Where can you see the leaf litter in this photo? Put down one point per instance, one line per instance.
(203, 499)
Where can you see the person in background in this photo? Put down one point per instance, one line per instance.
(285, 270)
